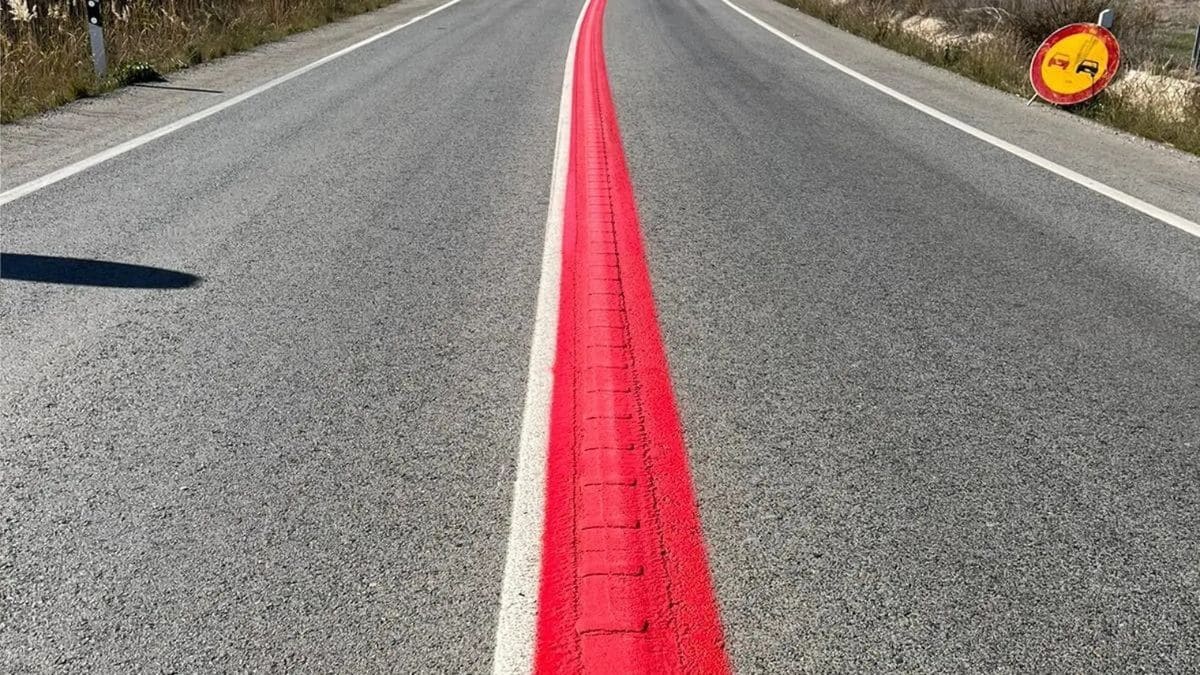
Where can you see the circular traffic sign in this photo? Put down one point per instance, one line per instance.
(1074, 63)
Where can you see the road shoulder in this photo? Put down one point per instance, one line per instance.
(38, 145)
(1150, 171)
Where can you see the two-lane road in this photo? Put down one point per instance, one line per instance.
(941, 406)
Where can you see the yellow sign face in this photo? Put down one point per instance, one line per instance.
(1074, 63)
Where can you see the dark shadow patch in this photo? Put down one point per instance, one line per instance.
(55, 270)
(176, 88)
(137, 71)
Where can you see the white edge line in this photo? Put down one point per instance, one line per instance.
(1096, 186)
(122, 148)
(517, 621)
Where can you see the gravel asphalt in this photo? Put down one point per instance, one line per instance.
(943, 407)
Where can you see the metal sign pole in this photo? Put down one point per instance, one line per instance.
(96, 33)
(1196, 51)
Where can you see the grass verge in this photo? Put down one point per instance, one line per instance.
(45, 57)
(999, 55)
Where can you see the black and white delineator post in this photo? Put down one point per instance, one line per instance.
(1196, 51)
(96, 33)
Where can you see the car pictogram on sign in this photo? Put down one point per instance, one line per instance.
(1060, 60)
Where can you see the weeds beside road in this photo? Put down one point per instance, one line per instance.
(992, 41)
(45, 59)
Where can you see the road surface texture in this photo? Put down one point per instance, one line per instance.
(262, 379)
(304, 459)
(937, 420)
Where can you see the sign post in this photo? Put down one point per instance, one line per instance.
(96, 34)
(1196, 51)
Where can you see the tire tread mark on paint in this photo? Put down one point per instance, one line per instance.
(625, 585)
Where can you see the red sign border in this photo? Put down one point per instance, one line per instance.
(1114, 61)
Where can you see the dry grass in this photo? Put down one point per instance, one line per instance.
(45, 59)
(1015, 28)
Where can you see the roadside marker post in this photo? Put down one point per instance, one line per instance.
(96, 33)
(1196, 51)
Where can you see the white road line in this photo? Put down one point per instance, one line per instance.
(1172, 219)
(517, 623)
(87, 163)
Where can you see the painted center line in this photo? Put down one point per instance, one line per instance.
(625, 586)
(515, 625)
(622, 584)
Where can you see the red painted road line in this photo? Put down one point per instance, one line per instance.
(625, 586)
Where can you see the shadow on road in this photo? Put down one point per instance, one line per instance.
(56, 270)
(177, 88)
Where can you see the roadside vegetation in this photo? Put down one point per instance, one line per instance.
(45, 57)
(992, 41)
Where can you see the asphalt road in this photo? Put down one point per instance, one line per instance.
(304, 459)
(933, 427)
(943, 407)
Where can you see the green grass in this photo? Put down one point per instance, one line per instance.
(1176, 44)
